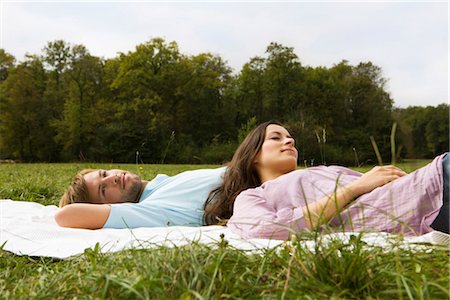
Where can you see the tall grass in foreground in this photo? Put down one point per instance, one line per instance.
(195, 271)
(336, 270)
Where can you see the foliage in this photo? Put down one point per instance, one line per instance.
(23, 113)
(68, 105)
(424, 131)
(246, 128)
(7, 61)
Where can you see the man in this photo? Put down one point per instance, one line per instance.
(120, 199)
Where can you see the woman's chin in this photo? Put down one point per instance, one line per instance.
(289, 168)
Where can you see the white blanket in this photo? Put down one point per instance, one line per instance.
(28, 228)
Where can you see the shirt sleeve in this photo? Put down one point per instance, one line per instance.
(254, 217)
(130, 215)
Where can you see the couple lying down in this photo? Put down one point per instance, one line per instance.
(260, 194)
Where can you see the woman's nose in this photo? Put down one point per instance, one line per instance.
(289, 141)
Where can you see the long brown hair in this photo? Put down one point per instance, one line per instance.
(241, 174)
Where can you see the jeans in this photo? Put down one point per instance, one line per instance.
(441, 223)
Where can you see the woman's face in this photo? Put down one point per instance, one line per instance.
(278, 155)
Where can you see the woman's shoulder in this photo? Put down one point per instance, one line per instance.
(256, 191)
(311, 175)
(312, 172)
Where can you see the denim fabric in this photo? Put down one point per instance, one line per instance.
(442, 221)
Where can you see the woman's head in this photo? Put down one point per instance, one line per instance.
(277, 155)
(252, 161)
(267, 151)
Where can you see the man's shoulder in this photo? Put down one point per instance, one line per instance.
(188, 183)
(211, 174)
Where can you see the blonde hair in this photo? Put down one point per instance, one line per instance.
(77, 191)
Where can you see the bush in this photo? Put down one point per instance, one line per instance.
(217, 153)
(180, 150)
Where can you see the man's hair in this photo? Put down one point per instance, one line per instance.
(77, 191)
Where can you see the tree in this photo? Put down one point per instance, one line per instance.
(283, 83)
(146, 79)
(23, 113)
(437, 130)
(370, 107)
(56, 58)
(201, 98)
(423, 131)
(251, 90)
(68, 104)
(7, 61)
(76, 128)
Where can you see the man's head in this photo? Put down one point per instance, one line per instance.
(103, 186)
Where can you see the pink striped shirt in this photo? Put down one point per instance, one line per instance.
(406, 205)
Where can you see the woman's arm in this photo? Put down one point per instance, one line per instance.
(83, 215)
(319, 212)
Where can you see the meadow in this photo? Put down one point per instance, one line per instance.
(196, 271)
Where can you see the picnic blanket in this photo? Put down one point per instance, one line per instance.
(28, 228)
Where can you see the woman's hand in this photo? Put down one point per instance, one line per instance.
(376, 177)
(324, 209)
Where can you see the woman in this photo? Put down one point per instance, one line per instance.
(264, 196)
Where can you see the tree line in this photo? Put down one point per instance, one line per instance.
(157, 105)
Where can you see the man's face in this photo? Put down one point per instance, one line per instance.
(112, 186)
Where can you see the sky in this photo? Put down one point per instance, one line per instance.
(409, 40)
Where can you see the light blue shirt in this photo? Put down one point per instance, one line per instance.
(168, 201)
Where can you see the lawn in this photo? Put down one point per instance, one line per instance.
(339, 271)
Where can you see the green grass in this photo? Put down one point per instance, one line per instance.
(196, 271)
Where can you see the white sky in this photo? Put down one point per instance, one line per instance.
(408, 40)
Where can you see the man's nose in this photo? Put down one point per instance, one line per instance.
(112, 179)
